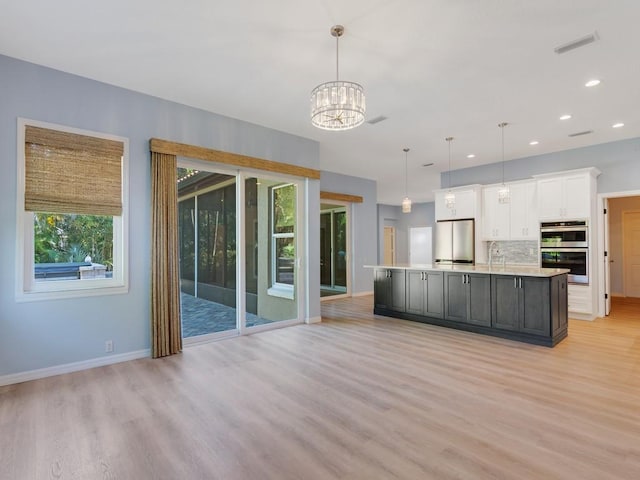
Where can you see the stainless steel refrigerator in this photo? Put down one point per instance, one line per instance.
(455, 241)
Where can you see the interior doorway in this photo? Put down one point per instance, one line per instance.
(631, 253)
(389, 256)
(619, 255)
(334, 250)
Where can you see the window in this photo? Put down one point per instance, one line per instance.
(72, 204)
(283, 252)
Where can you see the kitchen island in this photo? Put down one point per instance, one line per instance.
(527, 304)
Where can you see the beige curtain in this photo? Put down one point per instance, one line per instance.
(166, 334)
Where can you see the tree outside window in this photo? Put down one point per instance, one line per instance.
(283, 233)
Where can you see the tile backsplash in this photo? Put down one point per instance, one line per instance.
(522, 252)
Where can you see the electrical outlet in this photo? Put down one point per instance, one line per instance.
(531, 252)
(108, 346)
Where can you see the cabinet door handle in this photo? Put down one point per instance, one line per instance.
(421, 275)
(520, 282)
(515, 282)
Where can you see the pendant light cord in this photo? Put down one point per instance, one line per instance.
(449, 139)
(406, 172)
(337, 54)
(502, 125)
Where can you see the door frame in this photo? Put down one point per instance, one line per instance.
(348, 208)
(604, 268)
(301, 261)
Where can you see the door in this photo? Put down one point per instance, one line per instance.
(333, 250)
(479, 299)
(389, 246)
(415, 292)
(631, 248)
(534, 305)
(455, 296)
(606, 259)
(420, 245)
(325, 248)
(272, 251)
(463, 241)
(207, 242)
(504, 290)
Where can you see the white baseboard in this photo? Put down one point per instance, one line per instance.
(72, 367)
(362, 294)
(313, 320)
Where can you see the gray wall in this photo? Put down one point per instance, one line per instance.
(421, 215)
(618, 161)
(36, 335)
(363, 225)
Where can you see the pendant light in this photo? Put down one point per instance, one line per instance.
(338, 105)
(450, 197)
(406, 201)
(504, 194)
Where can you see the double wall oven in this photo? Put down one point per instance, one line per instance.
(566, 245)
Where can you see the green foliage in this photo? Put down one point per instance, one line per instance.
(70, 238)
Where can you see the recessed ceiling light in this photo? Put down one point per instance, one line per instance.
(565, 117)
(534, 142)
(618, 125)
(592, 83)
(471, 155)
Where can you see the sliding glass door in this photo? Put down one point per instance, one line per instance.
(207, 233)
(271, 226)
(212, 206)
(333, 250)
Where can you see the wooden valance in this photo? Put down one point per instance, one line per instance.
(201, 153)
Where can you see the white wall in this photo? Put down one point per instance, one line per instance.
(421, 215)
(37, 335)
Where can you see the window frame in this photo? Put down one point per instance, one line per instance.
(276, 288)
(27, 289)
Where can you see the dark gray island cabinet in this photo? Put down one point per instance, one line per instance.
(524, 304)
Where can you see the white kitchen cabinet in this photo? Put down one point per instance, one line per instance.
(467, 203)
(524, 212)
(495, 215)
(566, 196)
(515, 220)
(580, 299)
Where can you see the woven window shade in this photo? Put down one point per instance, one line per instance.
(71, 173)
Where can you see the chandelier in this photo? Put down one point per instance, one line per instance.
(338, 105)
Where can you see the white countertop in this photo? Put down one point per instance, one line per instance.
(524, 270)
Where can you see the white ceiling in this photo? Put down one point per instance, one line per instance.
(435, 68)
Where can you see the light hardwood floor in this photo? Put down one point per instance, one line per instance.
(355, 397)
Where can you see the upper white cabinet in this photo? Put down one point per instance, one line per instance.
(467, 203)
(495, 215)
(515, 220)
(566, 196)
(524, 211)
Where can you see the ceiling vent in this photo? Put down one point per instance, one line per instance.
(580, 42)
(577, 134)
(377, 119)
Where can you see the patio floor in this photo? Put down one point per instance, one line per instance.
(200, 316)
